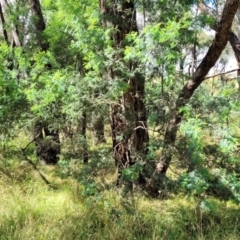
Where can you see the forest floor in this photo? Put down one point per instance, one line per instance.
(32, 210)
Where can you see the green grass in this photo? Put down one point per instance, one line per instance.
(31, 210)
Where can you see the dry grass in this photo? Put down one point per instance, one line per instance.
(31, 210)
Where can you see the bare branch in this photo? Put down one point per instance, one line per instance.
(22, 150)
(219, 74)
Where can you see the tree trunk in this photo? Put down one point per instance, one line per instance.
(232, 38)
(235, 44)
(98, 128)
(215, 50)
(45, 150)
(128, 116)
(39, 23)
(47, 144)
(83, 132)
(14, 32)
(3, 25)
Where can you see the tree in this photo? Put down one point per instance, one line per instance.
(47, 140)
(197, 78)
(128, 116)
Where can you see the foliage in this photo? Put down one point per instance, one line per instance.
(82, 73)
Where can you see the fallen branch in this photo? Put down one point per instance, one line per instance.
(22, 150)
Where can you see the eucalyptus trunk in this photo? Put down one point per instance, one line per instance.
(128, 116)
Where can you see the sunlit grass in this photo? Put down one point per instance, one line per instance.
(29, 209)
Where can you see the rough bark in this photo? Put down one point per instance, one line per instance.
(128, 116)
(216, 48)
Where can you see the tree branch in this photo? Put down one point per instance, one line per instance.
(219, 74)
(214, 52)
(22, 150)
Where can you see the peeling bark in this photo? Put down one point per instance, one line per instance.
(128, 116)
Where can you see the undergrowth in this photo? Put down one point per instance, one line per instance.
(29, 209)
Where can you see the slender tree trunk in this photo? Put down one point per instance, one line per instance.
(235, 44)
(14, 32)
(83, 133)
(3, 25)
(128, 116)
(232, 37)
(98, 128)
(215, 50)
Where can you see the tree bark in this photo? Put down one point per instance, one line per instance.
(214, 52)
(128, 117)
(39, 23)
(3, 25)
(14, 32)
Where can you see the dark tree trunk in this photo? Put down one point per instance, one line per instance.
(47, 144)
(235, 44)
(215, 50)
(39, 23)
(98, 128)
(46, 151)
(128, 116)
(3, 25)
